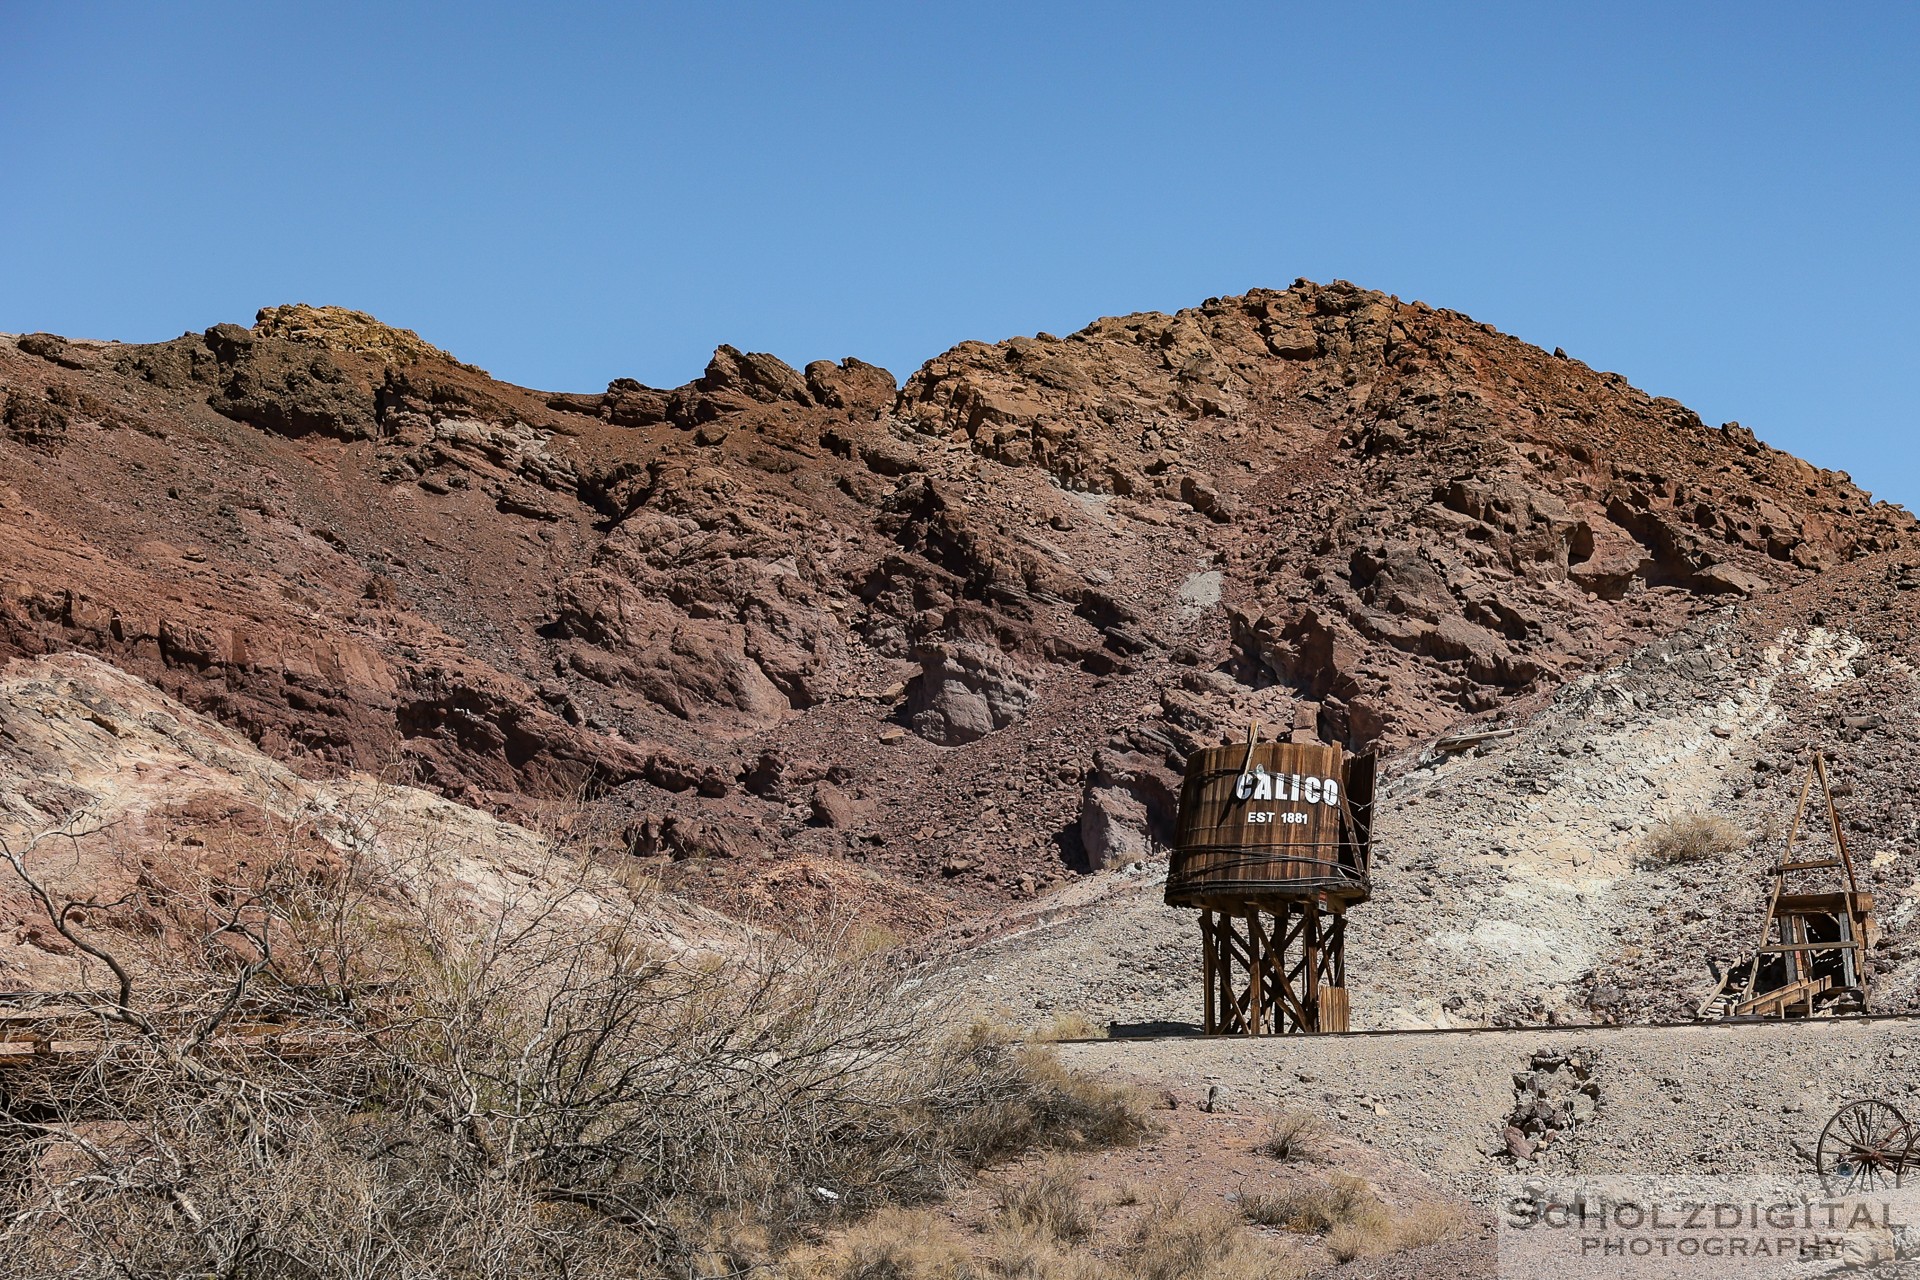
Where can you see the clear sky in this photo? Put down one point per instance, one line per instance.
(1717, 201)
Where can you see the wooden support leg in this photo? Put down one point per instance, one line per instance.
(1210, 1023)
(1265, 974)
(1256, 965)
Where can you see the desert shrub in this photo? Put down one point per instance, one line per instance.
(1693, 837)
(1294, 1135)
(549, 1092)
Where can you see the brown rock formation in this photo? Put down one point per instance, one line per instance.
(722, 606)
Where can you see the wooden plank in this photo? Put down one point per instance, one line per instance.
(1778, 948)
(1333, 1010)
(1362, 771)
(1833, 817)
(1780, 1000)
(1839, 903)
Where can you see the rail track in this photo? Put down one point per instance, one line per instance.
(1533, 1029)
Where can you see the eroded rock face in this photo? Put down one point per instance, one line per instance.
(963, 693)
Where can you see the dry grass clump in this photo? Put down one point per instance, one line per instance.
(1041, 1234)
(1012, 1252)
(1386, 1231)
(1425, 1223)
(1694, 837)
(1068, 1026)
(894, 1244)
(1294, 1135)
(1052, 1202)
(1049, 1107)
(1355, 1222)
(1175, 1242)
(1317, 1205)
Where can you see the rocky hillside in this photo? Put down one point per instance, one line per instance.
(149, 813)
(827, 644)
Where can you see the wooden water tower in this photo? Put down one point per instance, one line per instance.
(1272, 844)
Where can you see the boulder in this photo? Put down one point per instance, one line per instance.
(832, 807)
(851, 384)
(1113, 828)
(964, 692)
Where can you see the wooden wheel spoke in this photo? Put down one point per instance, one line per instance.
(1863, 1146)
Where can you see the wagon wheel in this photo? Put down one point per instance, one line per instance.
(1863, 1148)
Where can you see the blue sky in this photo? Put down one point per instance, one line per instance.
(1717, 201)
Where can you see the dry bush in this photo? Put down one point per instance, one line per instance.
(1294, 1135)
(1694, 837)
(1052, 1201)
(551, 1092)
(1175, 1242)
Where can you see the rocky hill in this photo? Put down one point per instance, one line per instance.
(831, 645)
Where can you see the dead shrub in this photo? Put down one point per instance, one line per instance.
(1294, 1135)
(1693, 837)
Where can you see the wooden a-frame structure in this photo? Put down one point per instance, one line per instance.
(1812, 954)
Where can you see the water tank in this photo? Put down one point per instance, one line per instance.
(1266, 821)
